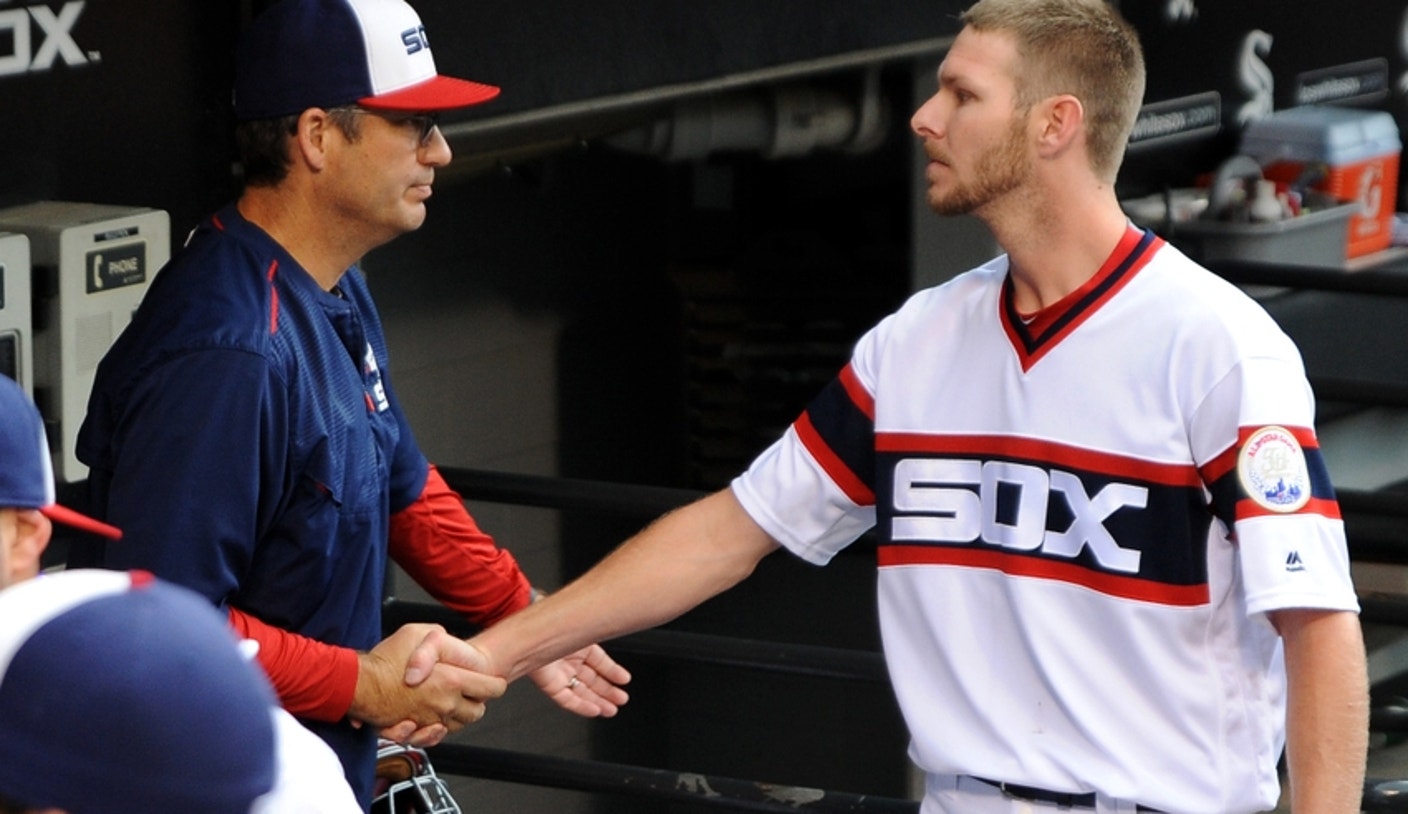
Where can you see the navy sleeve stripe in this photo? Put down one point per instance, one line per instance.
(840, 435)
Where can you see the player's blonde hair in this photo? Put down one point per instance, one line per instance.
(1080, 47)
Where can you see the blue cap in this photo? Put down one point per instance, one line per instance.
(26, 471)
(123, 694)
(299, 54)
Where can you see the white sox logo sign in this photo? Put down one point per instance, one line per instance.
(935, 501)
(55, 39)
(1255, 77)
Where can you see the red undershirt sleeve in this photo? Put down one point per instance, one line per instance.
(313, 679)
(440, 546)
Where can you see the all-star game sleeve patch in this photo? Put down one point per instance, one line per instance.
(1273, 471)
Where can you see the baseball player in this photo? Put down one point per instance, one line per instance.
(1112, 572)
(244, 431)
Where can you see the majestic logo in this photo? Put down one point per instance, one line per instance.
(1272, 469)
(56, 41)
(1293, 562)
(1255, 77)
(1005, 504)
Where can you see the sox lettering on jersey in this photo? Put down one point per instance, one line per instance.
(935, 501)
(953, 513)
(1122, 526)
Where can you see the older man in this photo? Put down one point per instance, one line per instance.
(244, 431)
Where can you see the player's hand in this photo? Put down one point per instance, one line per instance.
(596, 690)
(587, 682)
(445, 699)
(432, 651)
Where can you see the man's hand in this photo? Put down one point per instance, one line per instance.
(586, 682)
(446, 699)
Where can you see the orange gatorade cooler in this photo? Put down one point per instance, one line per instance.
(1349, 154)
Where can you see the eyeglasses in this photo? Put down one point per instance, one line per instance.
(424, 124)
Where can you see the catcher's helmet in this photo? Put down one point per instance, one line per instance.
(406, 783)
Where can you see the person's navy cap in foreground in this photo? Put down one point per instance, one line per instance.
(123, 694)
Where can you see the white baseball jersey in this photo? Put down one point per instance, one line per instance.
(1081, 520)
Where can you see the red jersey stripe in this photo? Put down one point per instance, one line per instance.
(840, 474)
(1047, 452)
(857, 392)
(1018, 565)
(1248, 508)
(273, 299)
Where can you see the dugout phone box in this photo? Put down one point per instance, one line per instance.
(91, 265)
(16, 334)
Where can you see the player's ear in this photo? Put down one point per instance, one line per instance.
(32, 533)
(1061, 120)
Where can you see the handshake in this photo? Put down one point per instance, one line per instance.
(422, 683)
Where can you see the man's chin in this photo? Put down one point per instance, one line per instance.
(951, 206)
(414, 217)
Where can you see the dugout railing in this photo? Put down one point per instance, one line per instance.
(1373, 514)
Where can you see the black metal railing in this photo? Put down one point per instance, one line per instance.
(655, 784)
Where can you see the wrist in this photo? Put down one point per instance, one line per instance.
(367, 700)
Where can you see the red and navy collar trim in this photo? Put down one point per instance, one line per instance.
(1033, 338)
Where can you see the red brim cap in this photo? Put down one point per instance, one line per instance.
(437, 93)
(82, 522)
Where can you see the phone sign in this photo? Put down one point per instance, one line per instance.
(116, 267)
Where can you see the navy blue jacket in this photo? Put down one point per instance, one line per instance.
(243, 434)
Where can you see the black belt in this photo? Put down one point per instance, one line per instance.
(1063, 799)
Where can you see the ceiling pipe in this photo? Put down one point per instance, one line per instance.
(781, 121)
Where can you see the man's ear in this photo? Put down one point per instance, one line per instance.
(1062, 120)
(32, 533)
(310, 140)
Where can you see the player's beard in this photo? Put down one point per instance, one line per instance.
(1002, 168)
